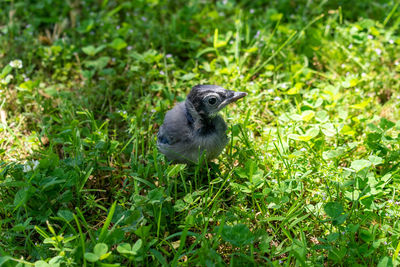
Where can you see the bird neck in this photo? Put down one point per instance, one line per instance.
(201, 122)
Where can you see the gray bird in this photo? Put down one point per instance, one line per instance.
(193, 127)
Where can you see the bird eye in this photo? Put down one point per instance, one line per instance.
(212, 100)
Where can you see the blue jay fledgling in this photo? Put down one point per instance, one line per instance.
(193, 127)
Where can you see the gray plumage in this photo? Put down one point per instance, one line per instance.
(193, 127)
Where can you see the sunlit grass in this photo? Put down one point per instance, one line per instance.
(310, 175)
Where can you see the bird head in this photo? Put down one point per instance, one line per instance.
(207, 100)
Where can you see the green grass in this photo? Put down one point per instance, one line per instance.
(311, 175)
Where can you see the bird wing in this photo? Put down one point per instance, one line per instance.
(175, 128)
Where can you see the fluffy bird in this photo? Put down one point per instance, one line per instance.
(193, 127)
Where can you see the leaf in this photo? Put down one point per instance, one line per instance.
(339, 220)
(21, 197)
(333, 209)
(90, 50)
(332, 237)
(385, 262)
(156, 196)
(296, 89)
(361, 105)
(99, 63)
(333, 153)
(143, 231)
(4, 259)
(118, 44)
(91, 257)
(104, 230)
(174, 170)
(322, 116)
(360, 164)
(337, 254)
(328, 129)
(307, 115)
(86, 26)
(366, 235)
(42, 264)
(124, 248)
(312, 132)
(188, 76)
(100, 249)
(137, 246)
(386, 124)
(159, 257)
(6, 70)
(375, 160)
(217, 43)
(347, 130)
(238, 235)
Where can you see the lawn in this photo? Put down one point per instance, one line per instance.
(311, 174)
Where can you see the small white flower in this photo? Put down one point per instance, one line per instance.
(117, 27)
(363, 74)
(144, 18)
(27, 168)
(370, 37)
(251, 83)
(347, 73)
(303, 149)
(16, 64)
(277, 98)
(224, 2)
(357, 90)
(168, 55)
(270, 91)
(7, 79)
(396, 63)
(378, 51)
(35, 164)
(251, 11)
(350, 46)
(343, 66)
(161, 72)
(30, 166)
(284, 86)
(391, 41)
(129, 47)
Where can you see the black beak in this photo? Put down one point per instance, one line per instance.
(236, 96)
(232, 97)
